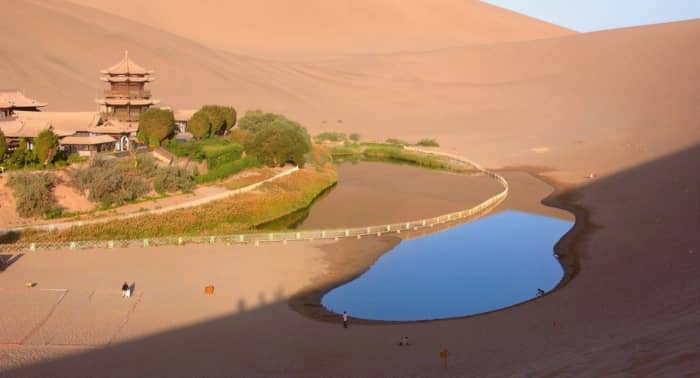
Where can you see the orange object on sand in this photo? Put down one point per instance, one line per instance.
(209, 290)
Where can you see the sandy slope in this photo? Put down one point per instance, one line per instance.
(620, 103)
(322, 28)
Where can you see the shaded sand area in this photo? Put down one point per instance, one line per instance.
(247, 328)
(370, 193)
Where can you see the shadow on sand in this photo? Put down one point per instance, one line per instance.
(623, 287)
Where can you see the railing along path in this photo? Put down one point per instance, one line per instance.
(291, 235)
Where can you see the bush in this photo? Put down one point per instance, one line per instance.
(155, 125)
(21, 156)
(428, 143)
(33, 194)
(355, 137)
(278, 142)
(239, 136)
(146, 164)
(108, 182)
(330, 136)
(172, 179)
(227, 169)
(76, 158)
(224, 155)
(397, 141)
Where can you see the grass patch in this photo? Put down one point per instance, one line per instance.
(394, 153)
(428, 143)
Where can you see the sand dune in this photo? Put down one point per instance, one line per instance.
(620, 103)
(322, 28)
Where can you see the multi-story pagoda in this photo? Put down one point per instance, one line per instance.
(127, 98)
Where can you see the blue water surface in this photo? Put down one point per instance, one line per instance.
(494, 262)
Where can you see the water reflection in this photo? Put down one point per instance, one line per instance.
(495, 262)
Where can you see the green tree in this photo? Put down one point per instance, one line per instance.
(3, 146)
(254, 120)
(279, 141)
(199, 125)
(21, 156)
(156, 125)
(46, 146)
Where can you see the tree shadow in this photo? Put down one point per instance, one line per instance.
(7, 260)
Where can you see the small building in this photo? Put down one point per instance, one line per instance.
(88, 145)
(127, 97)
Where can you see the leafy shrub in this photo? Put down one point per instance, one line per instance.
(331, 136)
(172, 179)
(239, 136)
(21, 156)
(279, 141)
(428, 143)
(199, 125)
(355, 137)
(224, 155)
(108, 182)
(155, 125)
(397, 141)
(146, 164)
(227, 169)
(33, 193)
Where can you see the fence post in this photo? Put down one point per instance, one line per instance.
(347, 232)
(179, 241)
(298, 235)
(241, 237)
(110, 244)
(212, 239)
(145, 242)
(72, 245)
(32, 246)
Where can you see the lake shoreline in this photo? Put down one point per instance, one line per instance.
(345, 265)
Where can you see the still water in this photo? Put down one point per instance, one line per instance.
(492, 263)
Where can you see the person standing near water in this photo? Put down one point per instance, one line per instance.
(125, 290)
(345, 319)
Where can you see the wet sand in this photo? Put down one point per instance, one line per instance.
(370, 193)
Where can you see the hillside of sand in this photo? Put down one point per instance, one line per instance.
(621, 104)
(327, 28)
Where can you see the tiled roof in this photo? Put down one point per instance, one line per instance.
(126, 67)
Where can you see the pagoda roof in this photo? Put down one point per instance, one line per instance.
(126, 67)
(127, 101)
(124, 78)
(15, 98)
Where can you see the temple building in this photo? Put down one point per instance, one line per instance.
(127, 97)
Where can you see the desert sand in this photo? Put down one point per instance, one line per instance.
(621, 104)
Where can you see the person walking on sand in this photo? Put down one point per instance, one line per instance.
(404, 341)
(345, 319)
(125, 290)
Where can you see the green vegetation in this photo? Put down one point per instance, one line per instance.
(109, 182)
(355, 137)
(254, 120)
(46, 146)
(275, 140)
(21, 157)
(172, 179)
(32, 192)
(397, 141)
(331, 136)
(234, 214)
(227, 169)
(392, 153)
(155, 126)
(3, 146)
(212, 120)
(428, 143)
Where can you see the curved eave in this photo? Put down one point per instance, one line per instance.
(119, 101)
(122, 79)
